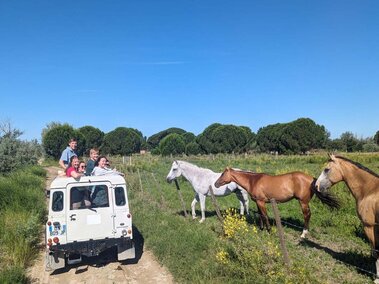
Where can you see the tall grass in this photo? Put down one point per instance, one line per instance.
(194, 252)
(22, 210)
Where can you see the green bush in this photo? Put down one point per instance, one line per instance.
(12, 275)
(15, 154)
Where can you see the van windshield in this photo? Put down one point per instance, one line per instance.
(94, 196)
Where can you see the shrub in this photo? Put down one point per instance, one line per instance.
(248, 254)
(15, 153)
(13, 274)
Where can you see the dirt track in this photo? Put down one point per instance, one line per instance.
(104, 268)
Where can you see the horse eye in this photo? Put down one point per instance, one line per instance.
(326, 171)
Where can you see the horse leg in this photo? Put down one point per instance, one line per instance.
(202, 207)
(262, 206)
(372, 233)
(193, 204)
(241, 200)
(260, 218)
(245, 200)
(307, 216)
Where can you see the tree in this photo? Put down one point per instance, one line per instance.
(154, 140)
(172, 144)
(297, 136)
(376, 137)
(218, 138)
(15, 153)
(205, 138)
(122, 141)
(350, 142)
(193, 148)
(55, 140)
(188, 137)
(93, 137)
(268, 138)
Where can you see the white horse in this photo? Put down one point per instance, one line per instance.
(201, 179)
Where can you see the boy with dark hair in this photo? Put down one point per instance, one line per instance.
(68, 153)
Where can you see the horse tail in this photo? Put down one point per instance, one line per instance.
(326, 198)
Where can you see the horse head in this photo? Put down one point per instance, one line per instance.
(174, 172)
(224, 178)
(330, 175)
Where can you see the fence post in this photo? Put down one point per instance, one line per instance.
(181, 198)
(280, 232)
(140, 181)
(214, 201)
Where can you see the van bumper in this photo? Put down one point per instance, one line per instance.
(92, 247)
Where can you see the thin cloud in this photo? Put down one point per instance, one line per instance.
(159, 63)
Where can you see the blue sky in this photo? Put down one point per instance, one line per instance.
(155, 64)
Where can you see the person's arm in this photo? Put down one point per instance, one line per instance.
(75, 174)
(64, 157)
(61, 163)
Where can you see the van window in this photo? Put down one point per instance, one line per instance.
(80, 197)
(119, 194)
(57, 204)
(99, 196)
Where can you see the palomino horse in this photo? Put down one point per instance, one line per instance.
(364, 185)
(263, 187)
(201, 179)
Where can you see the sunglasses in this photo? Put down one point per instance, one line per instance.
(82, 167)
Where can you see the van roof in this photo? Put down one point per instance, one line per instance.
(62, 182)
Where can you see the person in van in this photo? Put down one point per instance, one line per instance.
(68, 153)
(101, 168)
(93, 154)
(73, 168)
(82, 167)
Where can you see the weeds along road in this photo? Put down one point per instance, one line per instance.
(103, 268)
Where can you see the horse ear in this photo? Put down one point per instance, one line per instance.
(331, 156)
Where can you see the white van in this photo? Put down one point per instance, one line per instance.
(86, 217)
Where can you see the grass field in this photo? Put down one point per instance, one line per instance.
(336, 250)
(22, 211)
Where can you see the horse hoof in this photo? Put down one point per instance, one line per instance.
(194, 217)
(376, 281)
(202, 220)
(304, 234)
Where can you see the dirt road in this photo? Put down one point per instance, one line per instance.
(104, 268)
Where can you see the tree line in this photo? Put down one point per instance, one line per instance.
(296, 137)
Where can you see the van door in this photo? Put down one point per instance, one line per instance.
(90, 214)
(123, 218)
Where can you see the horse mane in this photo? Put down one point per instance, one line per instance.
(360, 166)
(247, 171)
(193, 165)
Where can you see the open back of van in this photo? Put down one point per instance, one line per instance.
(86, 217)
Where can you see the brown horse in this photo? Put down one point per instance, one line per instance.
(364, 186)
(263, 187)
